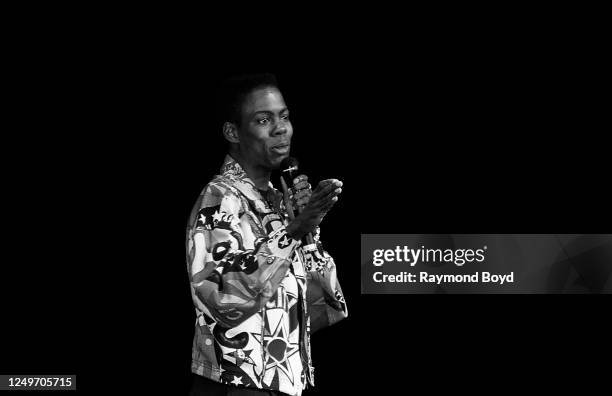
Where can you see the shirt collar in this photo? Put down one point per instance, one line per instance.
(232, 169)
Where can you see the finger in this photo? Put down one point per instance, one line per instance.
(323, 203)
(325, 186)
(299, 179)
(320, 201)
(324, 192)
(303, 194)
(300, 202)
(326, 210)
(302, 198)
(328, 195)
(335, 192)
(302, 185)
(284, 185)
(335, 182)
(329, 204)
(329, 184)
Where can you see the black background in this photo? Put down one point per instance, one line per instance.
(111, 145)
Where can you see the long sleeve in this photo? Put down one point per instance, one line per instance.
(326, 304)
(233, 271)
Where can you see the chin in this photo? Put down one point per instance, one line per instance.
(276, 161)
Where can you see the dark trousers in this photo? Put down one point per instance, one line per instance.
(202, 386)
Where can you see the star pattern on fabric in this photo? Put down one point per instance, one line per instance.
(217, 217)
(239, 357)
(278, 347)
(284, 242)
(237, 380)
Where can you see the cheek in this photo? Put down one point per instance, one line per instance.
(256, 138)
(261, 145)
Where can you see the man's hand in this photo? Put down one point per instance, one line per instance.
(313, 205)
(298, 196)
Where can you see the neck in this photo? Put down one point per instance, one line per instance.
(260, 176)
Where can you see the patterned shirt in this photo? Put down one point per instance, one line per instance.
(256, 291)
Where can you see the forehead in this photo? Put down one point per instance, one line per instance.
(263, 99)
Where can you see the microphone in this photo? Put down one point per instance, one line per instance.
(289, 171)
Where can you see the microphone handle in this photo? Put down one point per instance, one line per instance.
(308, 239)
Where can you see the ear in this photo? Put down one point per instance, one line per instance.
(230, 132)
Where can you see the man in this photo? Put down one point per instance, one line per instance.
(257, 288)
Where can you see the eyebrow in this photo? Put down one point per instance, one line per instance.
(270, 112)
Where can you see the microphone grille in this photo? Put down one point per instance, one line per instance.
(289, 164)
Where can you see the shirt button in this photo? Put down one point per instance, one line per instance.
(208, 341)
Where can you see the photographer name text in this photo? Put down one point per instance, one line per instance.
(425, 277)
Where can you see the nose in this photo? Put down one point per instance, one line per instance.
(281, 129)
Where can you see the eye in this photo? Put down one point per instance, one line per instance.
(285, 117)
(263, 121)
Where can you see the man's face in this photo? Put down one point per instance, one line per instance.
(265, 131)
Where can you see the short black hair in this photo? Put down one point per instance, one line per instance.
(234, 91)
